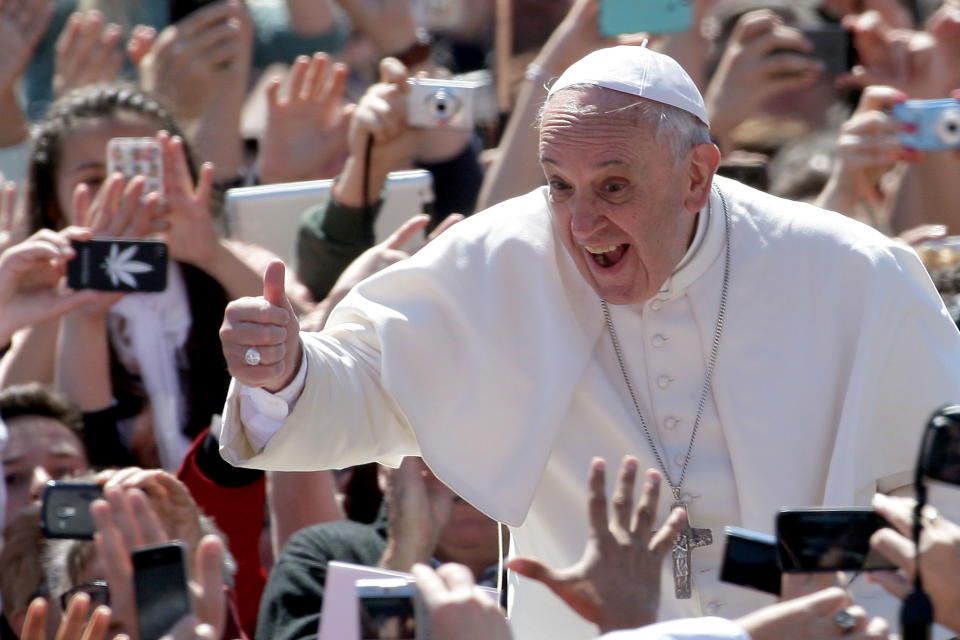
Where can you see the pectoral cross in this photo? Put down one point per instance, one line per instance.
(689, 538)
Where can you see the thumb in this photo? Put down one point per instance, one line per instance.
(273, 284)
(535, 570)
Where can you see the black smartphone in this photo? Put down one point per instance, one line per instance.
(940, 451)
(118, 264)
(391, 608)
(180, 9)
(833, 46)
(66, 509)
(160, 583)
(750, 560)
(829, 539)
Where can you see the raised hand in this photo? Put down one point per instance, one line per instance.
(458, 609)
(939, 556)
(763, 58)
(305, 134)
(189, 62)
(267, 324)
(22, 23)
(32, 280)
(867, 149)
(73, 626)
(419, 508)
(616, 583)
(87, 52)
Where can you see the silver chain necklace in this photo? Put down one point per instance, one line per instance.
(689, 537)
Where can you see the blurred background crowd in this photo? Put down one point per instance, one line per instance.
(125, 390)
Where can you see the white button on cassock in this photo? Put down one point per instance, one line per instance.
(678, 461)
(713, 607)
(671, 422)
(658, 340)
(664, 381)
(657, 304)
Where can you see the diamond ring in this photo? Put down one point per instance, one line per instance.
(252, 356)
(845, 621)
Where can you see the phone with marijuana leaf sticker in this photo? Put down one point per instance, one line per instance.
(118, 264)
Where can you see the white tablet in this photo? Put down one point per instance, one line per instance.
(268, 215)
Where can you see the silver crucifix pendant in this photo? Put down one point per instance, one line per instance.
(689, 538)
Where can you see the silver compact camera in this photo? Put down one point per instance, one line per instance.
(447, 104)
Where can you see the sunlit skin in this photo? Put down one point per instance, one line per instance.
(625, 208)
(83, 158)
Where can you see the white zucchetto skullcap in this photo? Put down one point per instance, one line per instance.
(637, 71)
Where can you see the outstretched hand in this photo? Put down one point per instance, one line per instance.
(616, 583)
(269, 325)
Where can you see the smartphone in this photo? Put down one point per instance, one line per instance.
(66, 509)
(833, 46)
(137, 157)
(940, 451)
(829, 539)
(391, 608)
(160, 585)
(118, 264)
(180, 9)
(617, 17)
(750, 560)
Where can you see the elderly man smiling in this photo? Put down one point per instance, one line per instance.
(759, 352)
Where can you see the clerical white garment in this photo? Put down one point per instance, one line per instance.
(712, 628)
(486, 353)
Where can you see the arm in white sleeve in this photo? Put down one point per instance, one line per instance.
(710, 628)
(262, 412)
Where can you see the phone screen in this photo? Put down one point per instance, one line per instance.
(811, 540)
(160, 581)
(66, 509)
(750, 560)
(118, 264)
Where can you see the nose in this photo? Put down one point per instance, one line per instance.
(585, 218)
(37, 482)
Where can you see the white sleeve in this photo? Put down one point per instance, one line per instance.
(263, 413)
(709, 628)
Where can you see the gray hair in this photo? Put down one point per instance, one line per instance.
(674, 128)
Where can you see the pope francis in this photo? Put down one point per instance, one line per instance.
(760, 352)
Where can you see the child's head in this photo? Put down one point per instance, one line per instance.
(71, 141)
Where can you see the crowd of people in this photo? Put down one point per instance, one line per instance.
(721, 254)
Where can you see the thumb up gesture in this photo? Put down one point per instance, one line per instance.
(261, 336)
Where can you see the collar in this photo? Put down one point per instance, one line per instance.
(708, 241)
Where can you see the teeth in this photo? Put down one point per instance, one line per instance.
(599, 250)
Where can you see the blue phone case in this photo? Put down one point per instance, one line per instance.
(651, 16)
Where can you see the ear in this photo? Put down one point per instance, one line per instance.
(702, 163)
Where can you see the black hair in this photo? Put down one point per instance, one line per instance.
(92, 102)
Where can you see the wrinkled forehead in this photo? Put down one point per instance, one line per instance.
(591, 114)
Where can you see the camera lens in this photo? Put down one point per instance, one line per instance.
(948, 128)
(443, 105)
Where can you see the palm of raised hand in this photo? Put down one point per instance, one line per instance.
(616, 583)
(306, 129)
(22, 22)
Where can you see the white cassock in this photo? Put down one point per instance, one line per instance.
(487, 354)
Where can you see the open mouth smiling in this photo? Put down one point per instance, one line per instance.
(608, 255)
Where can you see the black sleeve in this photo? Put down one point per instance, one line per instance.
(329, 238)
(102, 440)
(292, 600)
(456, 183)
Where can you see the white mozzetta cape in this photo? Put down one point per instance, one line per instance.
(480, 354)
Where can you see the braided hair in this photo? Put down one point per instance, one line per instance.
(92, 102)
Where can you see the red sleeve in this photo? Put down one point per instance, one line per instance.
(239, 512)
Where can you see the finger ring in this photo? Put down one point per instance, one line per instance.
(929, 513)
(252, 356)
(845, 621)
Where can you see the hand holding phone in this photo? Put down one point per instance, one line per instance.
(66, 509)
(829, 539)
